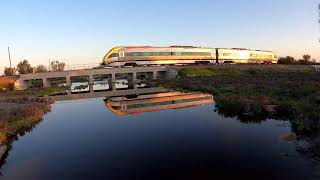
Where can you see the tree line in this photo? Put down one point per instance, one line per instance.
(24, 67)
(306, 60)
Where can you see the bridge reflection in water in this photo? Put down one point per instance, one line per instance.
(137, 101)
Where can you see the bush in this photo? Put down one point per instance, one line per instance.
(9, 71)
(11, 86)
(287, 60)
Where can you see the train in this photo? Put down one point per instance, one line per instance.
(149, 55)
(156, 102)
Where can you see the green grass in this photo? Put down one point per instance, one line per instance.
(40, 92)
(207, 72)
(196, 72)
(295, 91)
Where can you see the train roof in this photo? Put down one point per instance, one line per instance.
(173, 46)
(117, 48)
(246, 49)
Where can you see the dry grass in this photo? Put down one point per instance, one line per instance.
(20, 114)
(4, 82)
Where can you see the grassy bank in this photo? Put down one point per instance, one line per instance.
(38, 92)
(254, 93)
(20, 112)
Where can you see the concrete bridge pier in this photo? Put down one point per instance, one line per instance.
(25, 84)
(68, 81)
(45, 82)
(132, 80)
(91, 83)
(112, 81)
(155, 75)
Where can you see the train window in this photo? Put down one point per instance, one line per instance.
(155, 53)
(196, 53)
(113, 55)
(178, 53)
(168, 54)
(147, 54)
(231, 54)
(134, 54)
(165, 53)
(187, 54)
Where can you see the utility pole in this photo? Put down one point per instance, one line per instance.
(9, 56)
(319, 17)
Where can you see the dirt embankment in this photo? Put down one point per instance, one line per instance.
(5, 80)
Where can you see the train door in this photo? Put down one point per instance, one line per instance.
(121, 55)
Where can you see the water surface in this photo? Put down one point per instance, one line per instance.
(83, 139)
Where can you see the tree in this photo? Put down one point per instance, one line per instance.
(9, 71)
(24, 67)
(57, 66)
(286, 60)
(40, 69)
(306, 60)
(306, 57)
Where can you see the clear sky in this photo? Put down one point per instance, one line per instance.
(81, 32)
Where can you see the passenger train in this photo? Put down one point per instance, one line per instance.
(148, 55)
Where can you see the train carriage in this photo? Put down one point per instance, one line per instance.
(148, 55)
(246, 56)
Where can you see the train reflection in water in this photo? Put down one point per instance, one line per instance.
(156, 102)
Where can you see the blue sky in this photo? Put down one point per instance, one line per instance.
(81, 32)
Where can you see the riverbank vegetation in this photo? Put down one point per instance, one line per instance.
(20, 112)
(18, 116)
(35, 92)
(253, 93)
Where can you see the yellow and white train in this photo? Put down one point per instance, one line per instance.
(148, 55)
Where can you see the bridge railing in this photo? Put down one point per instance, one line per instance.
(81, 66)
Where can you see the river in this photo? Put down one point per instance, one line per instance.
(161, 135)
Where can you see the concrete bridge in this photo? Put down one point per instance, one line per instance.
(111, 74)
